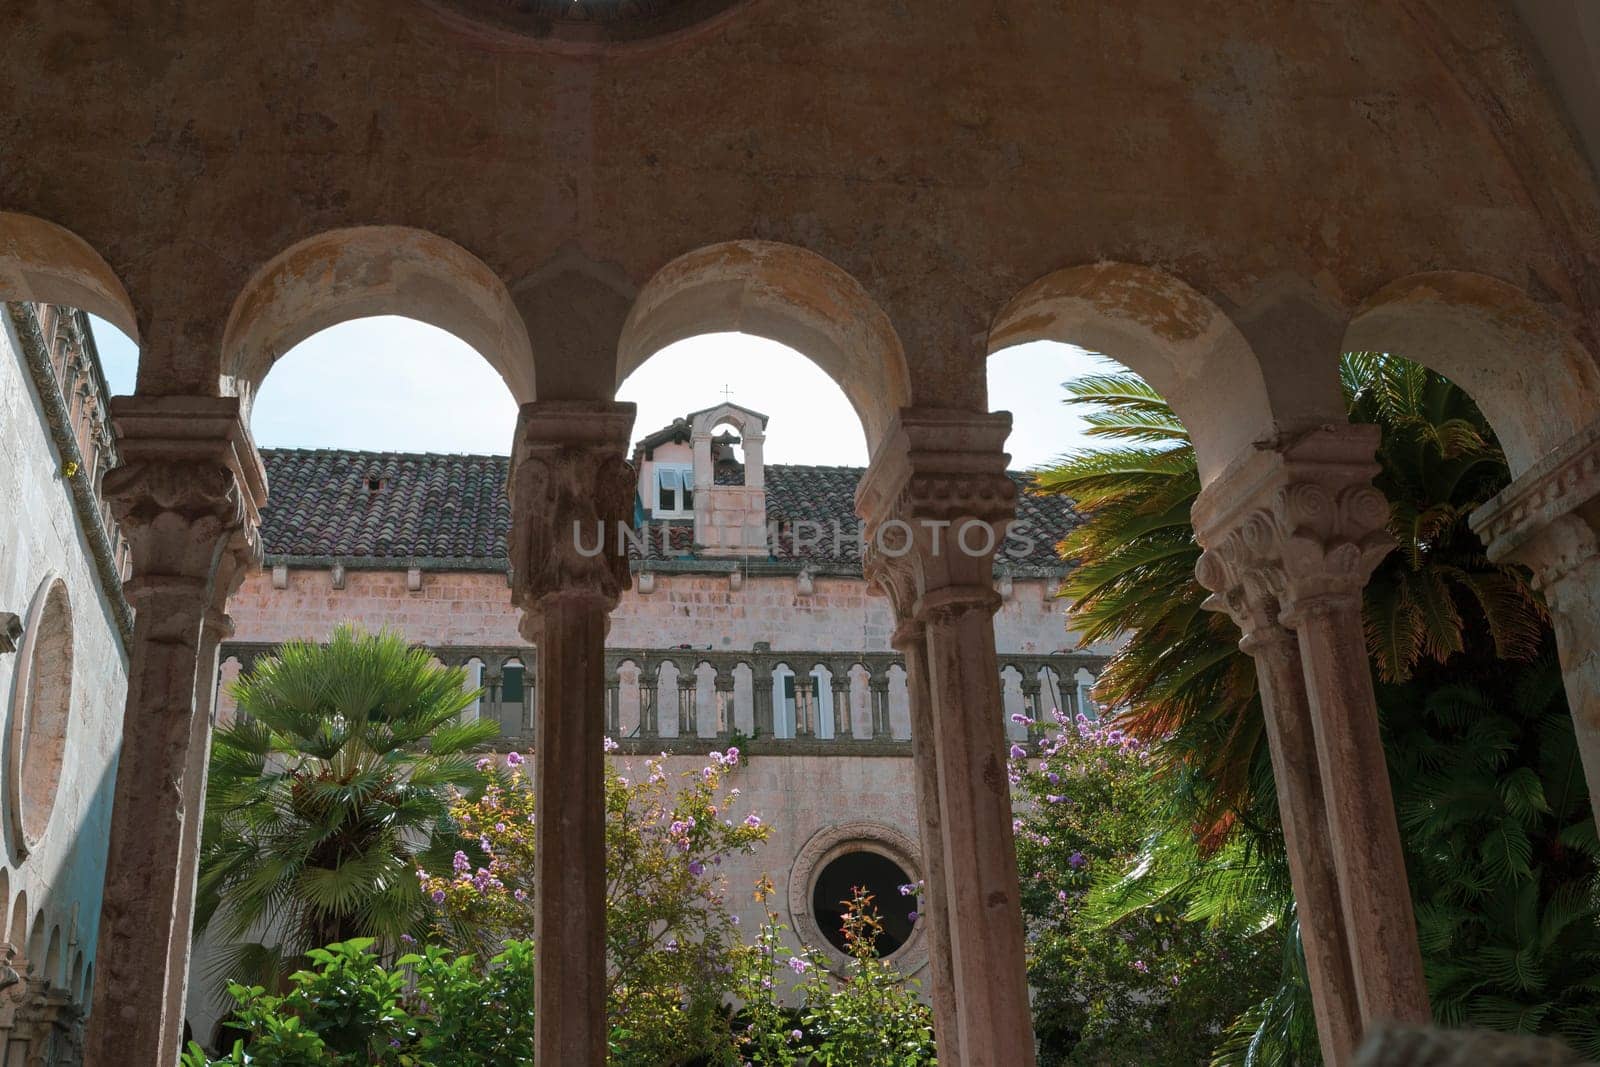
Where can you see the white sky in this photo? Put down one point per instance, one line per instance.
(395, 384)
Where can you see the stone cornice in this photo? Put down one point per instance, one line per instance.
(1560, 484)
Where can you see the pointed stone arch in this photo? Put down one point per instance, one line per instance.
(785, 294)
(362, 271)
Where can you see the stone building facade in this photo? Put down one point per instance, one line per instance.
(749, 622)
(64, 629)
(1222, 197)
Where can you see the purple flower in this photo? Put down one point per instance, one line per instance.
(795, 1035)
(907, 889)
(519, 896)
(734, 919)
(1020, 719)
(696, 868)
(407, 939)
(1018, 752)
(438, 896)
(485, 763)
(1076, 860)
(911, 917)
(731, 756)
(1141, 966)
(752, 821)
(611, 746)
(461, 863)
(1061, 895)
(499, 827)
(513, 759)
(798, 965)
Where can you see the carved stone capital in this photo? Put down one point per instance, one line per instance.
(1548, 517)
(187, 496)
(937, 502)
(570, 486)
(1287, 529)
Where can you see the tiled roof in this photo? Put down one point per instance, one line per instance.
(328, 504)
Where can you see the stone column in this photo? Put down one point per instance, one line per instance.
(1304, 523)
(570, 487)
(1548, 519)
(216, 628)
(910, 639)
(187, 497)
(937, 496)
(1246, 596)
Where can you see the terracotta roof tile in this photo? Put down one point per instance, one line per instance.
(337, 504)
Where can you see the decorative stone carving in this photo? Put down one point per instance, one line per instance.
(188, 499)
(1291, 535)
(1549, 520)
(937, 503)
(1287, 527)
(570, 486)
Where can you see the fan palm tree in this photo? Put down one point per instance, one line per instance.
(326, 794)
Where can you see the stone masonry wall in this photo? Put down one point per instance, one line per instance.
(52, 894)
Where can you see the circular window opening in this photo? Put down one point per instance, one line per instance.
(41, 706)
(864, 872)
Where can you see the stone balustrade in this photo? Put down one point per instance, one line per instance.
(694, 700)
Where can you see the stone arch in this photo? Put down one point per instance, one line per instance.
(49, 264)
(1534, 381)
(54, 962)
(373, 270)
(75, 983)
(17, 929)
(785, 294)
(36, 944)
(1164, 331)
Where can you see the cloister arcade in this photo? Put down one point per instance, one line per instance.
(896, 197)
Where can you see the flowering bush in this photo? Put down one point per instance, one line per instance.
(868, 1015)
(671, 943)
(1153, 986)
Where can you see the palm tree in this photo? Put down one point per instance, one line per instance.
(1498, 835)
(326, 794)
(1179, 673)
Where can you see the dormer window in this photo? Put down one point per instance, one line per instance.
(674, 490)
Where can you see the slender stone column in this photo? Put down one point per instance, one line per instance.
(215, 628)
(187, 498)
(937, 495)
(910, 638)
(1548, 519)
(1245, 596)
(1306, 524)
(570, 486)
